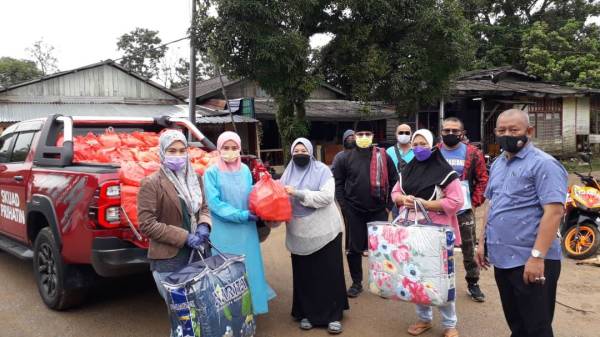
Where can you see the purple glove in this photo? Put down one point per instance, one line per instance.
(203, 231)
(252, 217)
(193, 241)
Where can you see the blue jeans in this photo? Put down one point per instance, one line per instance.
(448, 311)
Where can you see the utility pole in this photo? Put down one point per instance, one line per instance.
(192, 84)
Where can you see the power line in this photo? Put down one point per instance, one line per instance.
(160, 46)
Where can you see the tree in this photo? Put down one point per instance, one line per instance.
(13, 71)
(181, 70)
(269, 46)
(570, 54)
(499, 26)
(142, 51)
(42, 54)
(403, 52)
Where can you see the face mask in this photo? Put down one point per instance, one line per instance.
(403, 139)
(422, 153)
(175, 163)
(451, 140)
(364, 142)
(230, 155)
(301, 159)
(512, 144)
(349, 144)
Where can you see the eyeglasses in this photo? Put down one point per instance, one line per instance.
(404, 133)
(451, 131)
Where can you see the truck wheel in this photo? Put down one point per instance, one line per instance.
(51, 272)
(583, 243)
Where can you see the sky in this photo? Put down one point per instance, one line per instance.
(85, 32)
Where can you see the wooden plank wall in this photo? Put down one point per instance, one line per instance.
(101, 81)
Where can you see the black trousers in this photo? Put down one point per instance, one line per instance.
(356, 238)
(528, 308)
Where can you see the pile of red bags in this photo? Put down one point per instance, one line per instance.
(137, 155)
(270, 201)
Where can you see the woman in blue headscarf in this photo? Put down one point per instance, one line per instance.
(227, 185)
(314, 237)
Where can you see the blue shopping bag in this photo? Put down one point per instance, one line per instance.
(211, 298)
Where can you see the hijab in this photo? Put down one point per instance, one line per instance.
(185, 181)
(420, 178)
(312, 177)
(229, 166)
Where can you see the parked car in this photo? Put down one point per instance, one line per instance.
(66, 217)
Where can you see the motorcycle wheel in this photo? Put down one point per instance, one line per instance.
(583, 243)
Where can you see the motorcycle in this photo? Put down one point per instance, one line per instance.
(579, 228)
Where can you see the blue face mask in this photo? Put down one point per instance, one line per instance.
(422, 153)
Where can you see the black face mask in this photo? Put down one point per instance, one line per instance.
(512, 144)
(301, 159)
(349, 144)
(451, 140)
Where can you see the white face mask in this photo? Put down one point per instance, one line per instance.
(403, 139)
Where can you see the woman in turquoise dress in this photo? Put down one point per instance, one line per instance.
(227, 186)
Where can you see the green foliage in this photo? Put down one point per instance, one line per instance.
(13, 71)
(403, 52)
(268, 42)
(142, 51)
(570, 54)
(499, 26)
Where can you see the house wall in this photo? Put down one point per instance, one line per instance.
(101, 81)
(583, 115)
(322, 93)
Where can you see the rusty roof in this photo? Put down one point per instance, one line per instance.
(337, 110)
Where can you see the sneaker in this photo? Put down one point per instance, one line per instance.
(355, 290)
(305, 324)
(475, 292)
(334, 328)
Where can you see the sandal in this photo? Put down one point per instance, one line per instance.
(419, 328)
(451, 332)
(334, 328)
(305, 324)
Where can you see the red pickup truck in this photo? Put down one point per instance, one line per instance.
(65, 216)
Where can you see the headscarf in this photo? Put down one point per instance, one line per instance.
(185, 181)
(420, 178)
(224, 138)
(312, 177)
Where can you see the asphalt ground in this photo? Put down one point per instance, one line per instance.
(131, 306)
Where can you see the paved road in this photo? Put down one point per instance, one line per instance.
(131, 307)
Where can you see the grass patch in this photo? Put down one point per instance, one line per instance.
(577, 165)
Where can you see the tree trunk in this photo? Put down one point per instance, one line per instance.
(291, 123)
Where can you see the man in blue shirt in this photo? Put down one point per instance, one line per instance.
(527, 191)
(402, 152)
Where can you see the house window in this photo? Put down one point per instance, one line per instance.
(546, 118)
(595, 115)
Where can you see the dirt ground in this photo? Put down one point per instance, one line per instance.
(131, 307)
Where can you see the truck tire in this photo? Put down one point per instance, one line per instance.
(51, 273)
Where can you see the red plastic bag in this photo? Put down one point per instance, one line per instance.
(91, 140)
(110, 139)
(131, 141)
(150, 167)
(131, 173)
(270, 201)
(150, 139)
(129, 202)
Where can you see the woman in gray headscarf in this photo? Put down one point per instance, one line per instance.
(172, 209)
(314, 237)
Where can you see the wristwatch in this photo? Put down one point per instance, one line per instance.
(537, 254)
